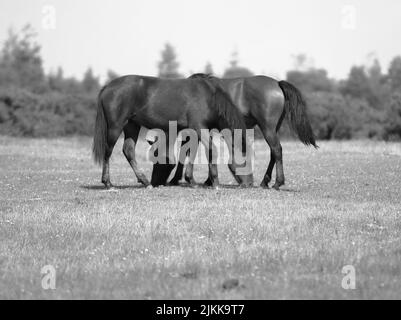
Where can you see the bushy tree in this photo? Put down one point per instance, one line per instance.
(302, 62)
(24, 113)
(366, 84)
(208, 68)
(328, 115)
(334, 116)
(379, 89)
(20, 61)
(111, 75)
(357, 84)
(168, 66)
(393, 117)
(236, 71)
(311, 80)
(394, 73)
(90, 83)
(56, 80)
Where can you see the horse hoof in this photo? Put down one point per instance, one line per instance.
(245, 185)
(146, 183)
(108, 186)
(277, 186)
(174, 183)
(149, 187)
(191, 182)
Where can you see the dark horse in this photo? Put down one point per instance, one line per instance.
(263, 101)
(129, 102)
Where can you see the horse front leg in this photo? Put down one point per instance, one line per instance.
(211, 156)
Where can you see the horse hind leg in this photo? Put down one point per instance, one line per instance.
(270, 128)
(180, 165)
(112, 137)
(268, 175)
(106, 170)
(276, 158)
(189, 170)
(211, 157)
(131, 133)
(175, 181)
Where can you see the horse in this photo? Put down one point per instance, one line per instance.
(262, 101)
(130, 102)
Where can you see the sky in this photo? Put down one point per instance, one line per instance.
(127, 36)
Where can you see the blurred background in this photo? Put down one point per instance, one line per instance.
(345, 56)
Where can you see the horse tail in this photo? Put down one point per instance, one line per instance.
(100, 137)
(221, 100)
(295, 107)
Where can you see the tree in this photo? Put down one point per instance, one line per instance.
(379, 90)
(56, 80)
(334, 116)
(20, 61)
(90, 83)
(357, 84)
(393, 116)
(311, 80)
(302, 62)
(111, 75)
(366, 83)
(168, 66)
(209, 68)
(394, 73)
(235, 71)
(328, 115)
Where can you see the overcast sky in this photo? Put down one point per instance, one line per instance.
(128, 35)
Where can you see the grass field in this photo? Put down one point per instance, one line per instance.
(341, 205)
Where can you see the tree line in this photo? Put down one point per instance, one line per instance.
(367, 104)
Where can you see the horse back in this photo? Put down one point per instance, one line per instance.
(153, 102)
(259, 98)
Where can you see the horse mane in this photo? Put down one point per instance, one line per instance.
(221, 100)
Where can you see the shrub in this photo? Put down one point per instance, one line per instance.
(24, 113)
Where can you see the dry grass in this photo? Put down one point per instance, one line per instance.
(341, 206)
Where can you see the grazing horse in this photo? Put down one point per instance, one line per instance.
(130, 102)
(264, 101)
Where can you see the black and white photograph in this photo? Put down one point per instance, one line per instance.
(214, 151)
